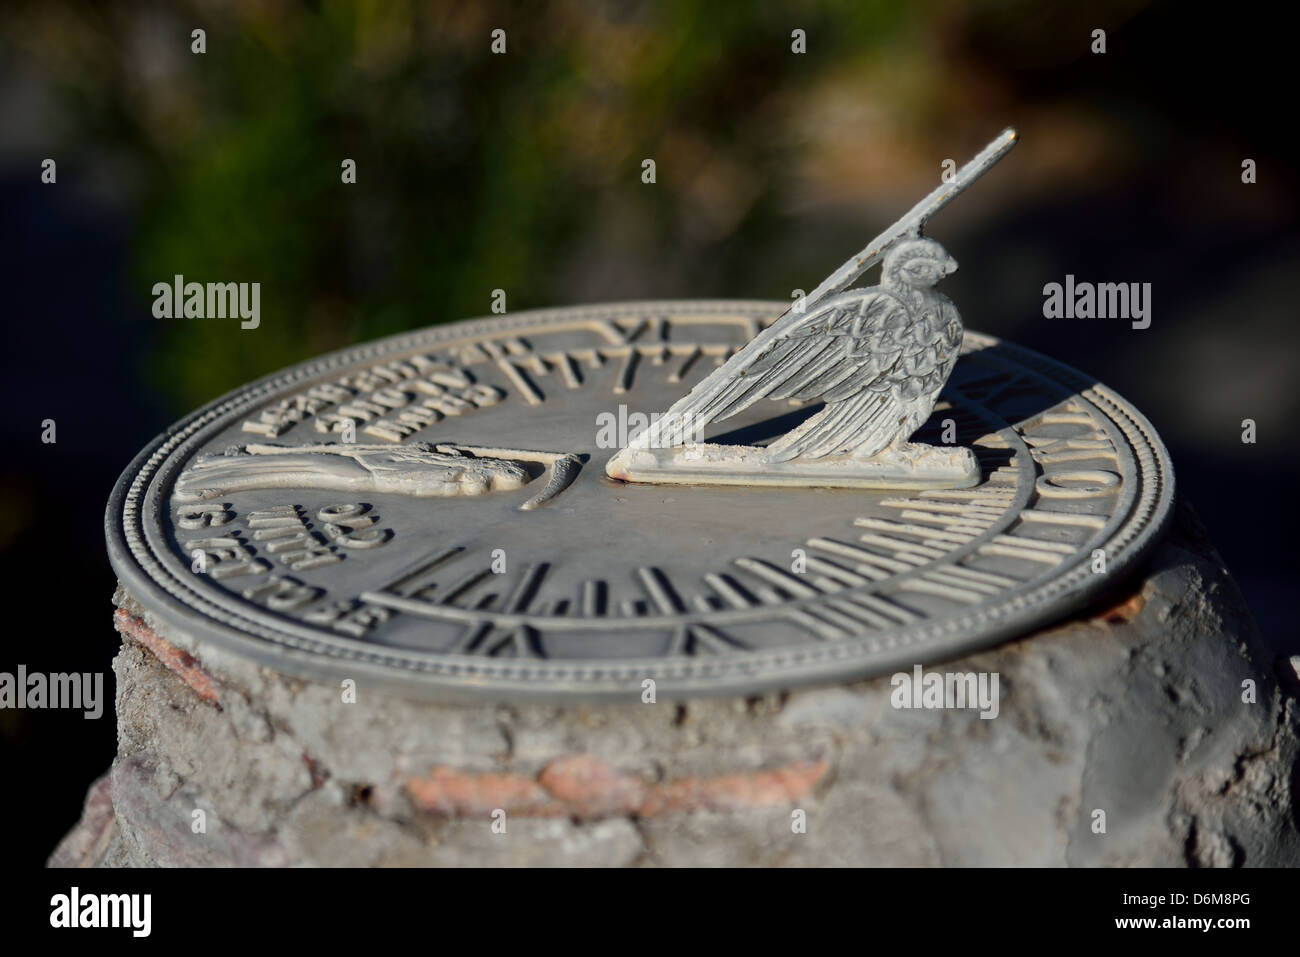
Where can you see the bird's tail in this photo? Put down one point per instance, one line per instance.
(860, 424)
(674, 427)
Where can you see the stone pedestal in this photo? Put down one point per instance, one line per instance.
(1135, 711)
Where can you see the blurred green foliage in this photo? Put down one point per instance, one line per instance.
(475, 171)
(478, 171)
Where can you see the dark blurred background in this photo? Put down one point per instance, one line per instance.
(522, 171)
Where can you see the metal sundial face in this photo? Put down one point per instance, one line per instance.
(467, 540)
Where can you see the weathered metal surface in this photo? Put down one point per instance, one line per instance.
(551, 580)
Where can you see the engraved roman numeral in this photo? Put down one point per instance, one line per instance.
(700, 639)
(660, 590)
(484, 639)
(730, 591)
(568, 366)
(932, 584)
(1077, 519)
(503, 358)
(627, 371)
(595, 598)
(884, 607)
(1030, 549)
(786, 581)
(867, 562)
(401, 584)
(688, 358)
(816, 625)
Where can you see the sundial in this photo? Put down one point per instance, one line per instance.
(720, 497)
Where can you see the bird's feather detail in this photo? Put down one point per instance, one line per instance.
(876, 357)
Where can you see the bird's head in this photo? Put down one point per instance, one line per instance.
(917, 264)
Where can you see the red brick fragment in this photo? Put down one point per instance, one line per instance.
(590, 788)
(468, 793)
(732, 792)
(584, 787)
(1124, 611)
(179, 661)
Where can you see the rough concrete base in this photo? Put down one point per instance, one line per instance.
(1136, 712)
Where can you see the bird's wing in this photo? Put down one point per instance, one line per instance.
(831, 353)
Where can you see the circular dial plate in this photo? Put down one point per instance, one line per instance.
(362, 515)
